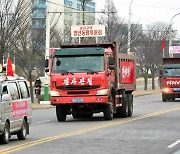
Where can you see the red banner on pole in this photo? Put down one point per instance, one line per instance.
(163, 44)
(9, 69)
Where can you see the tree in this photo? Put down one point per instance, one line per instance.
(27, 43)
(10, 17)
(116, 28)
(149, 52)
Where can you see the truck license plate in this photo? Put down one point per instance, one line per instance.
(77, 100)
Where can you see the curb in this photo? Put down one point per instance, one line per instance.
(145, 92)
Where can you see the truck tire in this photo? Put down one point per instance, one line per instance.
(88, 115)
(123, 110)
(164, 98)
(60, 113)
(75, 115)
(108, 113)
(4, 138)
(21, 135)
(130, 104)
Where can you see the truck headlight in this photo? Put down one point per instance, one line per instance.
(54, 93)
(166, 90)
(102, 92)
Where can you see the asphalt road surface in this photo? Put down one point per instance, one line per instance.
(153, 129)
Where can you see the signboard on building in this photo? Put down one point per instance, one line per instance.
(174, 49)
(87, 30)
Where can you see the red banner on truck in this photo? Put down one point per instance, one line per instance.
(127, 70)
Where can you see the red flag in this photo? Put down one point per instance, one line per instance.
(163, 44)
(9, 69)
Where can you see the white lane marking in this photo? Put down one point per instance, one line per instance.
(174, 144)
(43, 121)
(143, 103)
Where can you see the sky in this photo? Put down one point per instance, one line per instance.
(147, 11)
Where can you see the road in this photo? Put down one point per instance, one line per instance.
(154, 128)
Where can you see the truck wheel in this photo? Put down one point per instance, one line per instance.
(21, 135)
(164, 98)
(88, 115)
(123, 110)
(75, 115)
(108, 113)
(4, 138)
(60, 113)
(130, 104)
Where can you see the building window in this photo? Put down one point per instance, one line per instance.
(68, 2)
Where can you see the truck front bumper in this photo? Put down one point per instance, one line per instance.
(171, 92)
(80, 99)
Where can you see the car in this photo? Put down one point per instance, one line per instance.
(15, 108)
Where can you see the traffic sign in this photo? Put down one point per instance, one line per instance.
(174, 49)
(87, 30)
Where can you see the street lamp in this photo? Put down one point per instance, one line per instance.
(170, 25)
(129, 30)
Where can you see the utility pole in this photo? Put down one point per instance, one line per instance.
(170, 25)
(129, 30)
(83, 9)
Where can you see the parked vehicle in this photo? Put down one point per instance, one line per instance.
(170, 79)
(15, 108)
(91, 78)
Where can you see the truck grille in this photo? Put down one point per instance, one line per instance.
(77, 87)
(77, 92)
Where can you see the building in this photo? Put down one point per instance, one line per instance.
(70, 13)
(38, 8)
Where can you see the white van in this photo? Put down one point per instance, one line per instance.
(15, 108)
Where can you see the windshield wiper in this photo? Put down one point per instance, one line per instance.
(63, 72)
(89, 71)
(92, 72)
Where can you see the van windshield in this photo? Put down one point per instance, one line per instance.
(78, 64)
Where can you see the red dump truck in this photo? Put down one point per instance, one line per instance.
(91, 78)
(170, 79)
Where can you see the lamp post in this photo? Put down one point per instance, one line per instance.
(129, 30)
(170, 25)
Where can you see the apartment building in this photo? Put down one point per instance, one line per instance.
(70, 13)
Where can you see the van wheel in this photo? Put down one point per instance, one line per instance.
(61, 113)
(4, 138)
(21, 135)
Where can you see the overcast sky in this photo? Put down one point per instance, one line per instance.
(147, 11)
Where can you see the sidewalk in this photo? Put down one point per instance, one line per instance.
(135, 93)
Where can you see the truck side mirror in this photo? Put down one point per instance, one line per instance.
(111, 62)
(46, 63)
(160, 73)
(46, 70)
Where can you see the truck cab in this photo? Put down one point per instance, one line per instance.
(170, 79)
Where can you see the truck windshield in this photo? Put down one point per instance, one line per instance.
(78, 64)
(171, 72)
